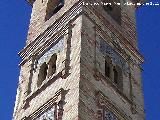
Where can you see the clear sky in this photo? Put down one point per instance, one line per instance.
(14, 21)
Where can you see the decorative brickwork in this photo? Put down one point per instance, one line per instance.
(52, 109)
(107, 110)
(74, 50)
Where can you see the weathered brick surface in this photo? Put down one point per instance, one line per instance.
(81, 63)
(38, 23)
(88, 84)
(71, 83)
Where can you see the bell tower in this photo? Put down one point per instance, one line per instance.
(81, 62)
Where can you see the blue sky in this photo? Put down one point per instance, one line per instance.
(14, 21)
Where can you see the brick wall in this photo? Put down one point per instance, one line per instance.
(81, 63)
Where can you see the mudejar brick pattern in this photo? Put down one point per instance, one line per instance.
(80, 62)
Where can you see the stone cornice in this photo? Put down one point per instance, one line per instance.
(47, 36)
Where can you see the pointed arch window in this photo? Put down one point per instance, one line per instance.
(108, 64)
(107, 69)
(42, 74)
(47, 69)
(52, 65)
(114, 73)
(117, 79)
(115, 76)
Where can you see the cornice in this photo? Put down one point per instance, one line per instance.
(62, 24)
(50, 33)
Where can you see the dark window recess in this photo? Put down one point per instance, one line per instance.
(53, 7)
(52, 65)
(107, 69)
(115, 76)
(114, 10)
(118, 77)
(108, 7)
(42, 74)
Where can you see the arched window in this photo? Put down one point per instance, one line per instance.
(118, 78)
(53, 6)
(113, 8)
(115, 76)
(52, 65)
(107, 69)
(42, 74)
(108, 63)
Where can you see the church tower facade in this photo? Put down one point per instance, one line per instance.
(80, 62)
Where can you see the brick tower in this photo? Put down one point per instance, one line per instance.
(80, 62)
